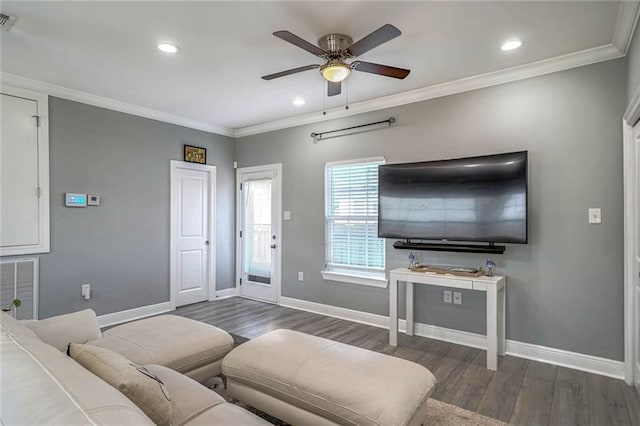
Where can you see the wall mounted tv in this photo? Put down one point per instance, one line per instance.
(470, 200)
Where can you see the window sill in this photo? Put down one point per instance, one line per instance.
(378, 281)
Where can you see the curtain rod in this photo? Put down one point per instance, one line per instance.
(318, 136)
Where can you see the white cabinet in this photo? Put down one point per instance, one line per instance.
(24, 172)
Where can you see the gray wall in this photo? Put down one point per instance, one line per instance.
(565, 288)
(121, 247)
(633, 70)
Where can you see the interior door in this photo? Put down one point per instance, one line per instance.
(636, 252)
(259, 236)
(191, 233)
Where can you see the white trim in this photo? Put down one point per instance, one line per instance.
(632, 113)
(628, 14)
(44, 234)
(355, 161)
(589, 363)
(112, 104)
(336, 312)
(173, 241)
(277, 199)
(226, 293)
(628, 222)
(353, 278)
(575, 360)
(134, 314)
(521, 72)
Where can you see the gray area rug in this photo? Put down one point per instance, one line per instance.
(438, 413)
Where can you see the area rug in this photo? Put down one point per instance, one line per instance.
(438, 413)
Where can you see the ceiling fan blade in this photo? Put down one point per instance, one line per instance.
(289, 72)
(384, 70)
(333, 89)
(376, 38)
(302, 44)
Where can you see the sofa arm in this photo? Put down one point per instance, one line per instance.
(59, 331)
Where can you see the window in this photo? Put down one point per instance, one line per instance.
(354, 253)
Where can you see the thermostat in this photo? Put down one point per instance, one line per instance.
(93, 200)
(75, 200)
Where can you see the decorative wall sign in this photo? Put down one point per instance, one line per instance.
(193, 154)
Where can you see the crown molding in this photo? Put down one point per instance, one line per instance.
(507, 75)
(108, 103)
(625, 26)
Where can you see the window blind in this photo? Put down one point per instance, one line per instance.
(351, 217)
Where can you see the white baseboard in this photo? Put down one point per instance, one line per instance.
(575, 360)
(134, 314)
(578, 361)
(226, 293)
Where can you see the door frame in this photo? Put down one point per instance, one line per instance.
(631, 117)
(173, 243)
(277, 199)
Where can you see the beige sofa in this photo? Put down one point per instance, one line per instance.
(39, 384)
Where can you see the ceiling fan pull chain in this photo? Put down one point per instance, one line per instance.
(346, 89)
(324, 101)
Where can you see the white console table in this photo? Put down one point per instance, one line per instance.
(495, 287)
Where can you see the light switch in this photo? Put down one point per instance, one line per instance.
(287, 215)
(595, 215)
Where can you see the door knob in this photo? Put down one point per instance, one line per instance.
(206, 243)
(273, 246)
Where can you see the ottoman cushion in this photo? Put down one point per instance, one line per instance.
(187, 346)
(343, 383)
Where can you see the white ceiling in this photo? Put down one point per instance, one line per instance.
(108, 49)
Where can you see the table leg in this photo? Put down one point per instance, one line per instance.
(492, 328)
(409, 306)
(393, 311)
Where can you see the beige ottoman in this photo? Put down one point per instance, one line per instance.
(190, 347)
(304, 379)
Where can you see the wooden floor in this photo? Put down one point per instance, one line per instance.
(521, 392)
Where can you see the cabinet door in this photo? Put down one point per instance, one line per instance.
(23, 216)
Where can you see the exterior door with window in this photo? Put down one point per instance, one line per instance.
(259, 233)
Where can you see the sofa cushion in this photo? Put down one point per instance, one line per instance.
(59, 331)
(147, 393)
(41, 385)
(227, 415)
(179, 343)
(189, 399)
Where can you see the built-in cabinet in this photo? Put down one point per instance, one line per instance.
(24, 172)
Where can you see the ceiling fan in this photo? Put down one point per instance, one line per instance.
(336, 49)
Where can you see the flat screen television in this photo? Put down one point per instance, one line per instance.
(476, 199)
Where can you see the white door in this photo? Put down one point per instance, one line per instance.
(635, 244)
(20, 201)
(192, 224)
(258, 254)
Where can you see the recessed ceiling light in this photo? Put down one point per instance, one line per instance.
(298, 101)
(511, 44)
(168, 47)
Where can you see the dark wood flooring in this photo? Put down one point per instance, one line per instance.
(521, 392)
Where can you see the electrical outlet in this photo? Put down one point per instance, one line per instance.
(86, 291)
(595, 215)
(457, 298)
(447, 296)
(300, 276)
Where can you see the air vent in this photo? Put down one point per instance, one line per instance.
(6, 21)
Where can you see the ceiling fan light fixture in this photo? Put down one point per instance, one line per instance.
(335, 72)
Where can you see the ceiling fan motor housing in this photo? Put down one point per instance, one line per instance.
(335, 43)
